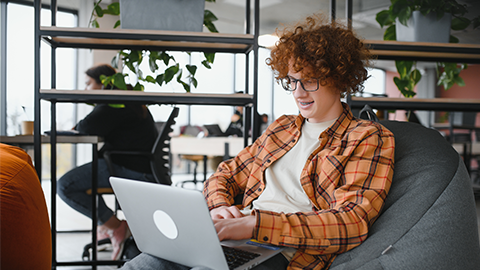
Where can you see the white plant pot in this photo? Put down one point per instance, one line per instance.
(172, 15)
(425, 28)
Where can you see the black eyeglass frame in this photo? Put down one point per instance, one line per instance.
(288, 83)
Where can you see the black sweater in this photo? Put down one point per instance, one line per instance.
(122, 129)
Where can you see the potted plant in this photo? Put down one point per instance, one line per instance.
(404, 13)
(133, 58)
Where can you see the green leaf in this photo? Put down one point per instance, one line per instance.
(460, 23)
(98, 11)
(405, 86)
(165, 57)
(208, 15)
(416, 76)
(150, 79)
(119, 81)
(403, 68)
(208, 19)
(117, 24)
(113, 9)
(383, 18)
(160, 79)
(210, 57)
(138, 87)
(401, 84)
(390, 33)
(152, 61)
(404, 15)
(194, 81)
(459, 81)
(211, 27)
(95, 24)
(453, 39)
(192, 69)
(170, 73)
(206, 64)
(106, 81)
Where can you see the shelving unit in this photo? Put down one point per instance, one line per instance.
(86, 38)
(420, 51)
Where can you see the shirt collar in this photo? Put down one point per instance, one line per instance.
(338, 128)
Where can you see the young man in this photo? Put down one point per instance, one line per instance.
(313, 182)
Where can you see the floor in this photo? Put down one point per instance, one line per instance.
(70, 245)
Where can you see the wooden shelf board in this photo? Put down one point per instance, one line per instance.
(115, 38)
(424, 51)
(119, 96)
(431, 104)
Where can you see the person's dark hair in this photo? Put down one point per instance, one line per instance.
(323, 50)
(96, 71)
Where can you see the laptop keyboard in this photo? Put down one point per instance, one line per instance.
(237, 257)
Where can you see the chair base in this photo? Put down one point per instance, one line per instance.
(195, 181)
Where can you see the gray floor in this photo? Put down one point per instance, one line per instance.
(70, 245)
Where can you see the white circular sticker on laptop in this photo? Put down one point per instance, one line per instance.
(165, 224)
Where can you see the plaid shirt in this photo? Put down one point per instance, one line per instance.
(347, 179)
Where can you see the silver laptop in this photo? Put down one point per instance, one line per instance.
(174, 224)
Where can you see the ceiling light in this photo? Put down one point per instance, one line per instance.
(267, 41)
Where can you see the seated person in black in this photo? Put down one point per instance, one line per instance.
(123, 127)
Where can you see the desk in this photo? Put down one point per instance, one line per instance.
(22, 140)
(225, 147)
(28, 139)
(208, 146)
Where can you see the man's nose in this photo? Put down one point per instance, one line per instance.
(299, 91)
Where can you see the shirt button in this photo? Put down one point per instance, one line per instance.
(265, 238)
(293, 140)
(259, 189)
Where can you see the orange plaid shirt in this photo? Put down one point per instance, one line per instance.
(347, 179)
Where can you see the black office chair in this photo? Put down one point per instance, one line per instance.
(159, 155)
(159, 158)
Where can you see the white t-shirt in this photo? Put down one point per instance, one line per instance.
(283, 190)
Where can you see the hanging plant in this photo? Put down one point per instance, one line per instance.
(133, 58)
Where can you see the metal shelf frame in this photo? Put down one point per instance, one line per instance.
(61, 37)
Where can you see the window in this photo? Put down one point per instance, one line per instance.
(20, 75)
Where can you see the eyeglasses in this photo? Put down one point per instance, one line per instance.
(290, 84)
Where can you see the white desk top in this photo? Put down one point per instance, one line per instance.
(208, 146)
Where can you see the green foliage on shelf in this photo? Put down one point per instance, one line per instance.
(448, 73)
(133, 58)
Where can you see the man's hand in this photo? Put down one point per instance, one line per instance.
(235, 228)
(232, 224)
(224, 212)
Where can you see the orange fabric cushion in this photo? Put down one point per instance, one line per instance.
(26, 241)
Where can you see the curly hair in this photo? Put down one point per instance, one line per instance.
(327, 51)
